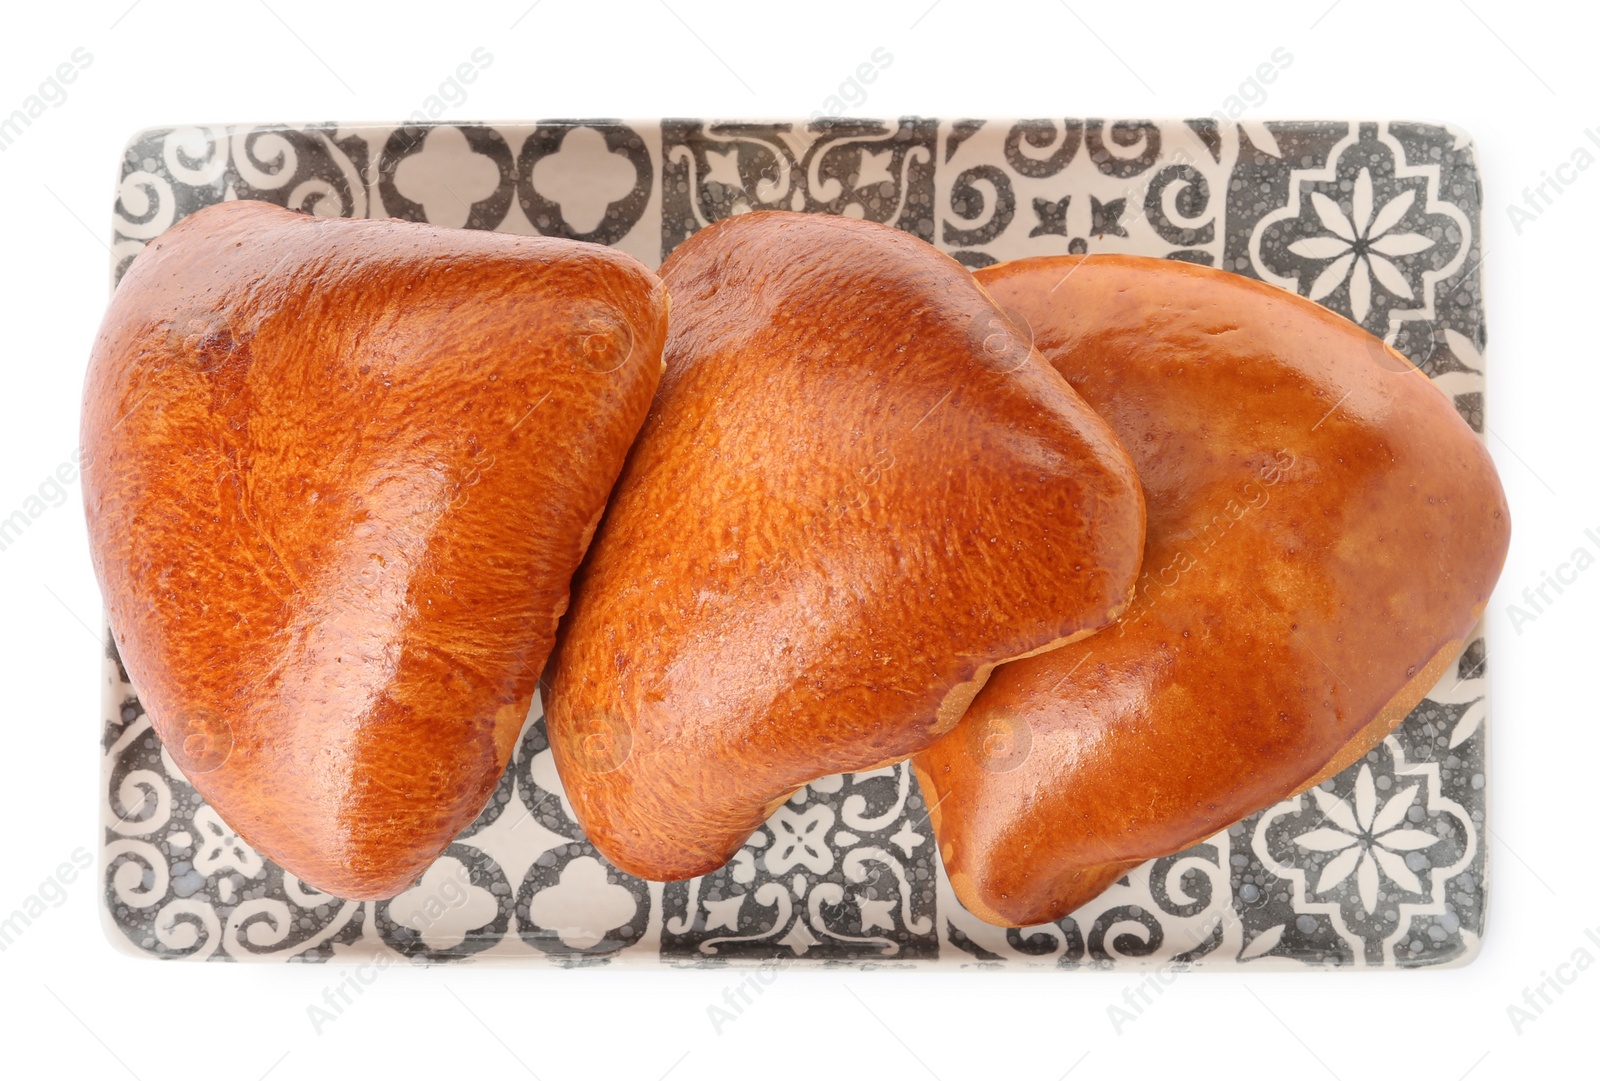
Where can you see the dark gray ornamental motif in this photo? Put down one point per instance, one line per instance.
(843, 872)
(875, 170)
(1382, 866)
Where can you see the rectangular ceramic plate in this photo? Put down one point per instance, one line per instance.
(847, 872)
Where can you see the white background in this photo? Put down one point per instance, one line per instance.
(1520, 77)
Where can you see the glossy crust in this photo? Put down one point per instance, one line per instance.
(338, 477)
(1324, 530)
(857, 491)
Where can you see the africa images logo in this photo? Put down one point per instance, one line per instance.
(52, 93)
